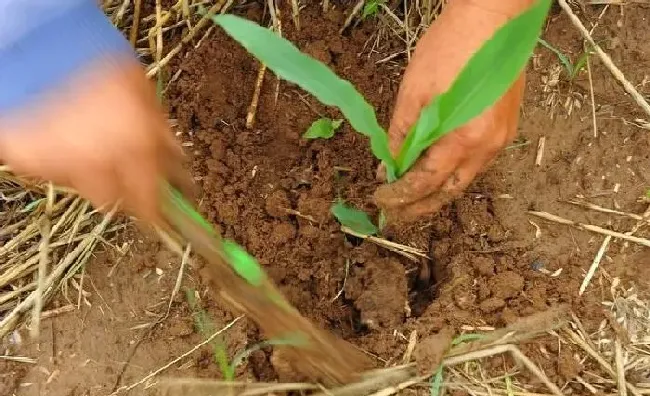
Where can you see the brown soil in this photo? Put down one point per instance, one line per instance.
(486, 256)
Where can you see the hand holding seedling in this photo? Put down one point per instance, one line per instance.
(103, 134)
(451, 163)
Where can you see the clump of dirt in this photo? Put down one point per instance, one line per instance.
(431, 350)
(379, 292)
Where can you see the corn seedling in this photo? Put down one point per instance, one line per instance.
(485, 78)
(572, 69)
(436, 382)
(323, 128)
(204, 325)
(371, 8)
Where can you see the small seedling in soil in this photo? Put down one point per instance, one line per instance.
(323, 128)
(371, 8)
(486, 77)
(571, 68)
(204, 325)
(354, 219)
(436, 382)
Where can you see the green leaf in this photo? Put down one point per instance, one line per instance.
(371, 7)
(290, 64)
(436, 382)
(355, 219)
(493, 69)
(466, 337)
(420, 137)
(205, 326)
(580, 63)
(323, 128)
(243, 263)
(486, 77)
(32, 205)
(563, 58)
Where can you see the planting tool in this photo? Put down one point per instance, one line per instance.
(242, 283)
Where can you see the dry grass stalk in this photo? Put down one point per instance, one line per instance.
(220, 6)
(41, 222)
(409, 252)
(133, 34)
(602, 209)
(590, 227)
(620, 368)
(295, 13)
(355, 10)
(595, 264)
(252, 110)
(392, 380)
(540, 150)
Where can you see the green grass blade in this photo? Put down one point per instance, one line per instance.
(204, 325)
(466, 337)
(419, 137)
(371, 8)
(492, 70)
(580, 63)
(563, 58)
(290, 64)
(436, 382)
(357, 220)
(323, 128)
(243, 263)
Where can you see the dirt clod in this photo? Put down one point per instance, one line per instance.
(506, 285)
(430, 351)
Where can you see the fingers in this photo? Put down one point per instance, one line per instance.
(98, 184)
(453, 187)
(428, 175)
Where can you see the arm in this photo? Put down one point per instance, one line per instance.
(77, 109)
(450, 165)
(45, 42)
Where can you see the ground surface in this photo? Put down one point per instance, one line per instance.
(485, 248)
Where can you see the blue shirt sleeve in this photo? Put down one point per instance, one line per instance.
(51, 52)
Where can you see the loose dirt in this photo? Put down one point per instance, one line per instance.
(270, 190)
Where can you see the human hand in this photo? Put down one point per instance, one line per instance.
(104, 134)
(450, 165)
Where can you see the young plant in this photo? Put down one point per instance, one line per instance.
(204, 325)
(323, 128)
(571, 68)
(371, 8)
(485, 78)
(354, 219)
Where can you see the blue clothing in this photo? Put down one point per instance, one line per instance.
(45, 42)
